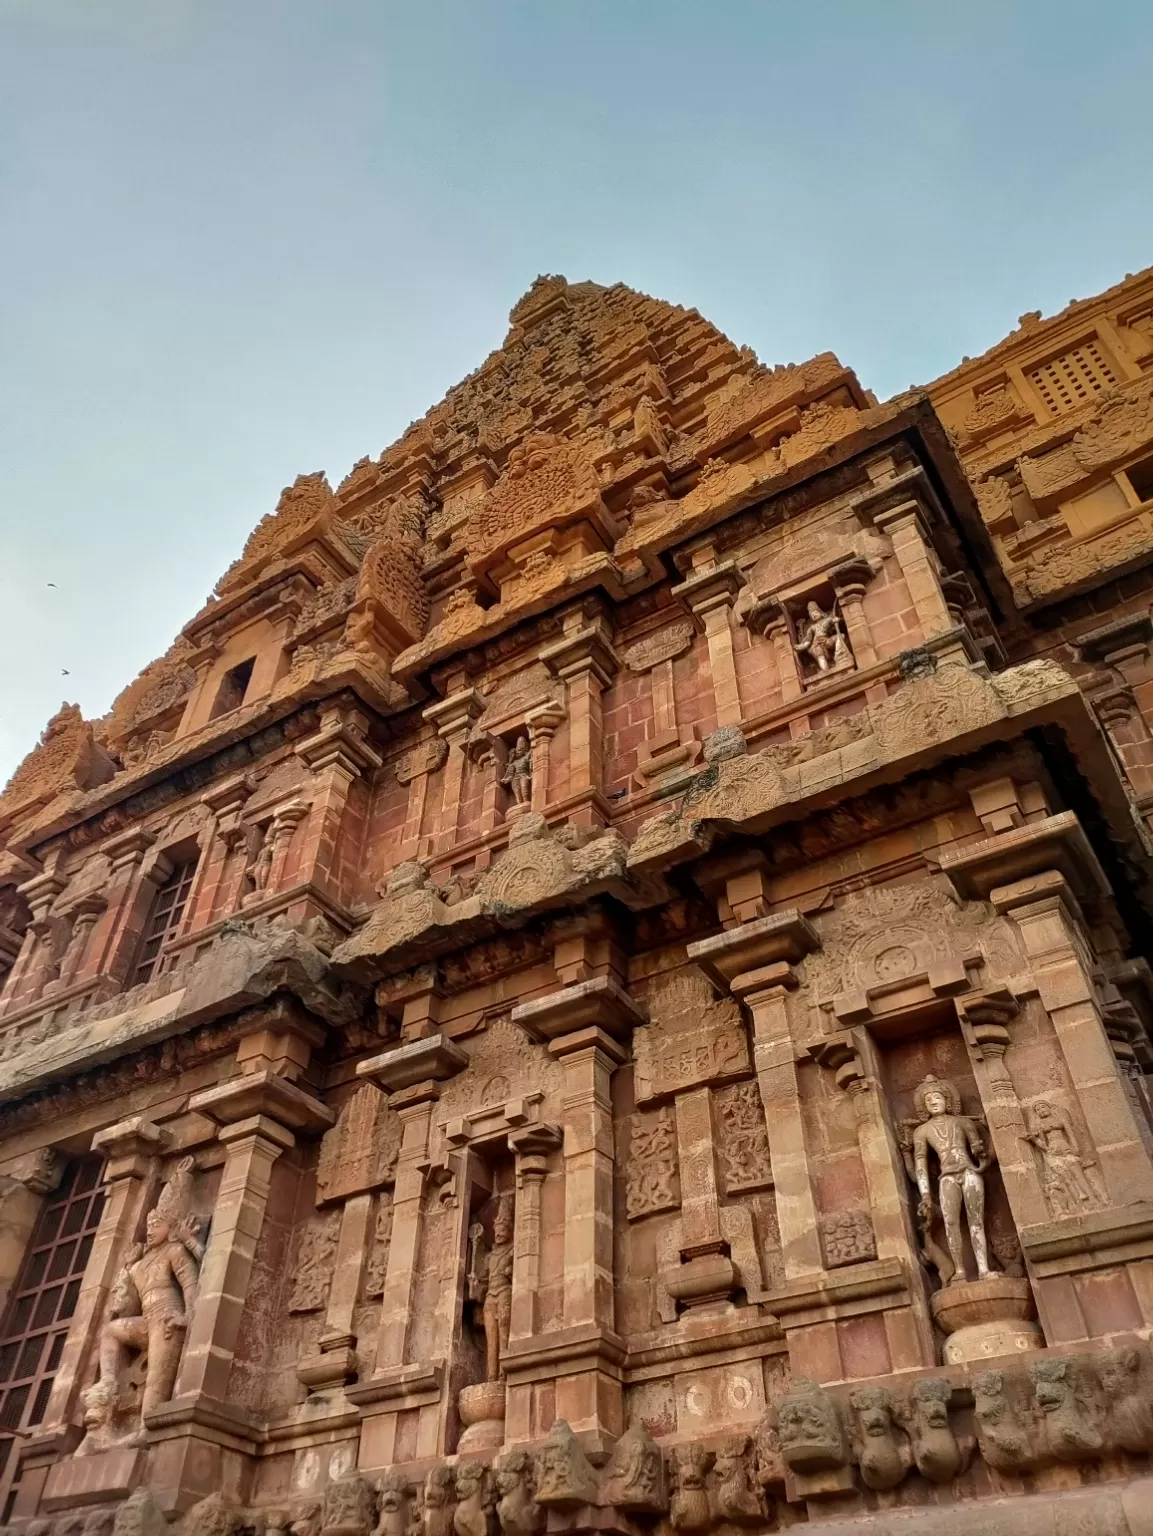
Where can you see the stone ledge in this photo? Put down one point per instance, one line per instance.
(399, 1387)
(1093, 1241)
(562, 1352)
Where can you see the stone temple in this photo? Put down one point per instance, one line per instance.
(603, 982)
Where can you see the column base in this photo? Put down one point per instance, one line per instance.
(985, 1319)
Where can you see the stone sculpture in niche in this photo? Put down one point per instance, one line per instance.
(149, 1310)
(822, 639)
(651, 1171)
(962, 1157)
(490, 1282)
(1065, 1174)
(517, 775)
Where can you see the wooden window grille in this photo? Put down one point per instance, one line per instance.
(1074, 377)
(40, 1308)
(164, 920)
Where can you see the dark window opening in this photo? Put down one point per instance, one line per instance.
(233, 687)
(163, 920)
(40, 1308)
(1141, 479)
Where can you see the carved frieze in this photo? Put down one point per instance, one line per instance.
(694, 1039)
(426, 757)
(663, 645)
(312, 1266)
(742, 1139)
(359, 1153)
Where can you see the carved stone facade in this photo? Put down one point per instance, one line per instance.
(601, 983)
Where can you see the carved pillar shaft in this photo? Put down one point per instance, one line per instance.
(337, 756)
(407, 1227)
(700, 1197)
(777, 633)
(453, 719)
(663, 697)
(586, 662)
(28, 973)
(857, 625)
(1057, 952)
(130, 1147)
(352, 1248)
(253, 1145)
(531, 1147)
(710, 593)
(903, 525)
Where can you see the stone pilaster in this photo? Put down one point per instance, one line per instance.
(337, 756)
(586, 663)
(710, 593)
(452, 719)
(905, 527)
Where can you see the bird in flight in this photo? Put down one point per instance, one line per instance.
(64, 672)
(51, 583)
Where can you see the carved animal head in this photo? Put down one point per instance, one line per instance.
(514, 1471)
(1119, 1371)
(99, 1402)
(471, 1478)
(730, 1457)
(439, 1487)
(931, 1402)
(990, 1401)
(874, 1411)
(692, 1465)
(1052, 1384)
(394, 1490)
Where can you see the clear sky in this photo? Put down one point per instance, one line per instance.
(240, 239)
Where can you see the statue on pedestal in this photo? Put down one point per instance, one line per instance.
(962, 1157)
(149, 1312)
(490, 1283)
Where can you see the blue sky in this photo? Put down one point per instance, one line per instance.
(244, 238)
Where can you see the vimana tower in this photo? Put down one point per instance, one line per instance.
(603, 982)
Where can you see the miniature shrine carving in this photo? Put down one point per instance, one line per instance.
(517, 775)
(821, 639)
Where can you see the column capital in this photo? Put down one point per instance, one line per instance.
(453, 716)
(126, 850)
(39, 1171)
(714, 587)
(742, 954)
(430, 1060)
(265, 1095)
(130, 1147)
(598, 1005)
(586, 650)
(1026, 863)
(340, 743)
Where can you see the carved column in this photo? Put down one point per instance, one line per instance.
(24, 1181)
(542, 726)
(586, 1026)
(125, 853)
(754, 962)
(131, 1148)
(905, 527)
(414, 770)
(29, 972)
(710, 593)
(849, 582)
(531, 1147)
(337, 756)
(222, 882)
(84, 915)
(767, 617)
(586, 662)
(411, 1075)
(452, 719)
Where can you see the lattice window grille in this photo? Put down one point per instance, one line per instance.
(163, 920)
(1076, 376)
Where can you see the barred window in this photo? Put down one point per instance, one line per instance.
(164, 920)
(1074, 377)
(40, 1308)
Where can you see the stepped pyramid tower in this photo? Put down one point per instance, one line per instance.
(602, 983)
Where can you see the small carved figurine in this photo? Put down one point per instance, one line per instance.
(517, 775)
(1063, 1169)
(517, 1510)
(474, 1514)
(439, 1502)
(734, 1495)
(1060, 1391)
(564, 1475)
(490, 1283)
(1128, 1389)
(1002, 1428)
(690, 1509)
(935, 1448)
(883, 1455)
(812, 1431)
(395, 1512)
(636, 1475)
(823, 639)
(962, 1158)
(349, 1507)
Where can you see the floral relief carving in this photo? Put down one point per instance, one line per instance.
(651, 1183)
(694, 1038)
(743, 1141)
(312, 1267)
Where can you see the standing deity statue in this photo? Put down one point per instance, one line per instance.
(150, 1307)
(517, 775)
(962, 1158)
(490, 1283)
(823, 638)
